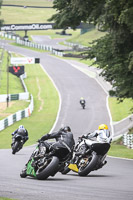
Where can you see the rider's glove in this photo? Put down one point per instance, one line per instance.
(39, 140)
(79, 139)
(84, 136)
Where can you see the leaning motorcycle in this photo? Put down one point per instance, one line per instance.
(46, 161)
(82, 104)
(89, 155)
(17, 143)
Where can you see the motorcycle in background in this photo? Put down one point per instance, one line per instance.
(82, 102)
(45, 162)
(17, 143)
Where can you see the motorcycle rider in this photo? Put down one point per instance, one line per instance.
(64, 138)
(82, 101)
(21, 131)
(102, 134)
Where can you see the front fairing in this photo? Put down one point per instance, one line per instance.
(30, 169)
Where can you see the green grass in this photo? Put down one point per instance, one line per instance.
(50, 32)
(29, 2)
(120, 110)
(4, 198)
(85, 38)
(17, 15)
(121, 151)
(41, 121)
(13, 106)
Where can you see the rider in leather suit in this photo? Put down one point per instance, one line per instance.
(23, 132)
(64, 138)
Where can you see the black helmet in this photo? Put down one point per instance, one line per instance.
(67, 129)
(21, 131)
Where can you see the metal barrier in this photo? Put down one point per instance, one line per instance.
(17, 116)
(8, 121)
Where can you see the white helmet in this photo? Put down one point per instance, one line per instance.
(21, 126)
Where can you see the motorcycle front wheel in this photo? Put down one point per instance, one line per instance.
(89, 165)
(48, 170)
(66, 170)
(15, 147)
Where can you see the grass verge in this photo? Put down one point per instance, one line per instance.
(121, 110)
(15, 15)
(29, 2)
(119, 150)
(13, 106)
(46, 102)
(4, 198)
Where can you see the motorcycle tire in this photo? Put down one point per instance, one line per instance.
(89, 167)
(83, 106)
(49, 170)
(66, 170)
(15, 147)
(23, 174)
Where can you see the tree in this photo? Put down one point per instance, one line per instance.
(67, 16)
(1, 21)
(114, 51)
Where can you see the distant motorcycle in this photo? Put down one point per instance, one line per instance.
(82, 102)
(44, 162)
(87, 158)
(17, 143)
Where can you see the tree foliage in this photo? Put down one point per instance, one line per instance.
(114, 51)
(1, 21)
(66, 16)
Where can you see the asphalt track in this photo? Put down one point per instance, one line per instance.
(113, 181)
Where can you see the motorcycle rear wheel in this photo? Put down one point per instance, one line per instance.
(48, 170)
(90, 166)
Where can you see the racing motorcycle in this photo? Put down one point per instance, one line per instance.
(82, 102)
(17, 143)
(89, 155)
(46, 161)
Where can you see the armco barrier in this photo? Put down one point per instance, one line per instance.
(21, 113)
(12, 97)
(17, 116)
(39, 46)
(20, 96)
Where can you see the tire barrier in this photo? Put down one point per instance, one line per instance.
(128, 140)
